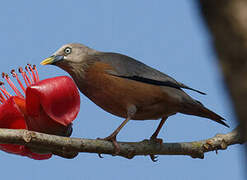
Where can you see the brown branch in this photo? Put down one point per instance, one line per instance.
(69, 147)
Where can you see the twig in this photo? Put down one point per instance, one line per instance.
(70, 147)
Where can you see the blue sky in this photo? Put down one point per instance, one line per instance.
(167, 35)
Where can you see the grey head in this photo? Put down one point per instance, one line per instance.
(69, 57)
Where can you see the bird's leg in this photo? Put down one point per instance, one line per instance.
(154, 137)
(130, 113)
(155, 134)
(113, 136)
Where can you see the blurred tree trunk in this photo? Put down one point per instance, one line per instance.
(227, 22)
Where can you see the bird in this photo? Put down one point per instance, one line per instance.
(128, 88)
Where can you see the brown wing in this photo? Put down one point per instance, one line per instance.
(127, 67)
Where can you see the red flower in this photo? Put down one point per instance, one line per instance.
(50, 107)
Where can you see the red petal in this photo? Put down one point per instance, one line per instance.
(36, 156)
(11, 117)
(23, 151)
(52, 102)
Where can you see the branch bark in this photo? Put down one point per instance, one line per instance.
(70, 147)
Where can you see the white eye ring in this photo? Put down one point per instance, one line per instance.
(67, 50)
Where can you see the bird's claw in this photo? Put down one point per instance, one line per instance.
(156, 140)
(154, 158)
(100, 156)
(112, 138)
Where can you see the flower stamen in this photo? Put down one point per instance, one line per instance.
(36, 71)
(25, 77)
(32, 71)
(14, 74)
(2, 98)
(4, 91)
(30, 76)
(11, 84)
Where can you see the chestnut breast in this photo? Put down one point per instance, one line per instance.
(114, 94)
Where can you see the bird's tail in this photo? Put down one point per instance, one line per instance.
(197, 109)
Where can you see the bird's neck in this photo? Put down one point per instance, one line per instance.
(78, 71)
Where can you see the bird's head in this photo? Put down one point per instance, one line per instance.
(69, 56)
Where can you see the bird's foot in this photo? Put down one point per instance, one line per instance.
(156, 140)
(153, 157)
(112, 138)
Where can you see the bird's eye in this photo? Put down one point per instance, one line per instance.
(67, 50)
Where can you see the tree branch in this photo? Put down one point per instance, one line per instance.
(70, 147)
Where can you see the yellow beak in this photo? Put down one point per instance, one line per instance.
(52, 60)
(48, 60)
